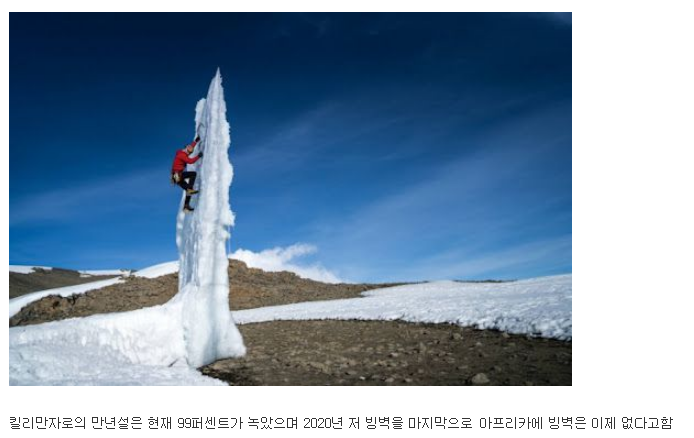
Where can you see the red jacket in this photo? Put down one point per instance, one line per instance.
(182, 158)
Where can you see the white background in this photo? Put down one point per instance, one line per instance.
(632, 247)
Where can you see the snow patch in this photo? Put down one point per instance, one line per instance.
(158, 270)
(537, 307)
(92, 273)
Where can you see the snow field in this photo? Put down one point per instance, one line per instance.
(536, 307)
(158, 270)
(90, 273)
(142, 347)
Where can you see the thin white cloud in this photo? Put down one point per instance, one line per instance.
(461, 263)
(284, 259)
(102, 196)
(291, 143)
(472, 207)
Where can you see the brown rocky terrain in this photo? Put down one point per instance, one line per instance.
(42, 279)
(335, 352)
(391, 353)
(249, 288)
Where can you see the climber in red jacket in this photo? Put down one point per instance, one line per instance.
(184, 179)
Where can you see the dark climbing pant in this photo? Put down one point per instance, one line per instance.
(186, 182)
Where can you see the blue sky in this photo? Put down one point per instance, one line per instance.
(401, 146)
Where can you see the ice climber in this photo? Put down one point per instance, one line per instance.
(182, 178)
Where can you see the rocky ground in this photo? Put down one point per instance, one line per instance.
(335, 352)
(391, 353)
(42, 279)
